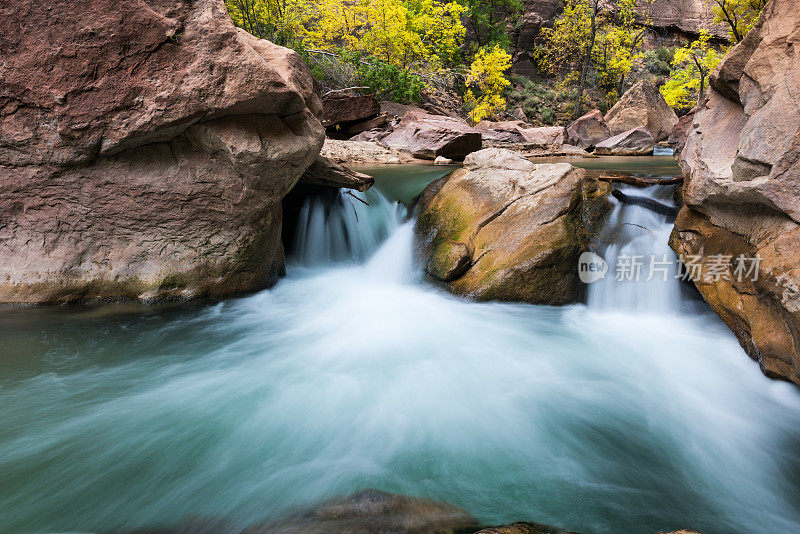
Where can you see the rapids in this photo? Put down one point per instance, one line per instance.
(637, 412)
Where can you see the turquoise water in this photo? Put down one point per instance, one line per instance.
(356, 374)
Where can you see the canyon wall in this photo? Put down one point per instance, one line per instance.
(742, 167)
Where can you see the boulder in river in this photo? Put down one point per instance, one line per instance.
(642, 106)
(144, 151)
(589, 130)
(503, 228)
(742, 192)
(426, 136)
(635, 142)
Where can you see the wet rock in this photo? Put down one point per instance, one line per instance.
(589, 130)
(642, 106)
(328, 173)
(741, 192)
(138, 158)
(426, 136)
(371, 511)
(523, 527)
(635, 142)
(503, 228)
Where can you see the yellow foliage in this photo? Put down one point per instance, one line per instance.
(487, 76)
(691, 66)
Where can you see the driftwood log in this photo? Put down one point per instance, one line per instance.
(330, 174)
(648, 203)
(639, 181)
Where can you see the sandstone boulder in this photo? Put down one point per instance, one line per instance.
(503, 228)
(144, 150)
(426, 136)
(519, 132)
(359, 152)
(588, 130)
(347, 109)
(742, 193)
(635, 142)
(642, 106)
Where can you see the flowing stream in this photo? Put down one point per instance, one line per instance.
(637, 412)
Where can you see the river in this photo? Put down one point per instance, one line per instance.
(636, 412)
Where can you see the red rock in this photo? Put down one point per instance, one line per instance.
(588, 130)
(144, 150)
(348, 109)
(634, 142)
(426, 136)
(642, 106)
(742, 189)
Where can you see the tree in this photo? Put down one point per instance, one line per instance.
(489, 20)
(691, 65)
(739, 15)
(487, 77)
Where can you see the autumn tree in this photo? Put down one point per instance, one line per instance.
(489, 20)
(739, 15)
(486, 82)
(691, 67)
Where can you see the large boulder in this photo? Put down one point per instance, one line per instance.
(635, 142)
(503, 228)
(144, 150)
(426, 136)
(520, 132)
(342, 109)
(642, 106)
(677, 138)
(742, 191)
(588, 130)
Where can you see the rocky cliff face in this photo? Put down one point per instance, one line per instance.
(144, 150)
(742, 163)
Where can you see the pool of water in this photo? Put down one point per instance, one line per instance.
(353, 373)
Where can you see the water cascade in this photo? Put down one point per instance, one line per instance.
(356, 374)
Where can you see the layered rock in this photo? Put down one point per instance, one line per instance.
(589, 130)
(503, 228)
(635, 142)
(642, 106)
(144, 150)
(742, 164)
(426, 136)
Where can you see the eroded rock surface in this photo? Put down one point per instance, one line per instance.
(427, 136)
(589, 130)
(144, 150)
(503, 228)
(742, 194)
(635, 142)
(642, 106)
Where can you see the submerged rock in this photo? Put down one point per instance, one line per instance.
(742, 193)
(589, 130)
(642, 106)
(427, 136)
(371, 511)
(503, 228)
(144, 151)
(522, 527)
(635, 142)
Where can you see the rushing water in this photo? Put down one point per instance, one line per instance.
(636, 413)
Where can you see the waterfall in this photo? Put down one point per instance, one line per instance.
(642, 268)
(345, 228)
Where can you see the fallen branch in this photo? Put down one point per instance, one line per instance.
(359, 199)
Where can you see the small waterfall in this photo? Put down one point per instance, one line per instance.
(345, 228)
(642, 274)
